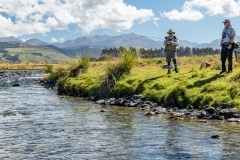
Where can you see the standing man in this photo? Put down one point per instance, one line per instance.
(228, 35)
(171, 43)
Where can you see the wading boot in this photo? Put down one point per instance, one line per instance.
(169, 71)
(223, 71)
(176, 70)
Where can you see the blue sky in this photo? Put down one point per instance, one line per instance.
(59, 20)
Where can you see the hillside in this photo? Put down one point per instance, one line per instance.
(38, 51)
(92, 51)
(35, 42)
(32, 54)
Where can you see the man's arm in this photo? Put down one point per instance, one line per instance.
(176, 43)
(165, 41)
(232, 36)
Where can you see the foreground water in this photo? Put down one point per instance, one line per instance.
(35, 123)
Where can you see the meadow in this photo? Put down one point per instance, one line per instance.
(198, 82)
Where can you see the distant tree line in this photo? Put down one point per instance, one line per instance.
(150, 53)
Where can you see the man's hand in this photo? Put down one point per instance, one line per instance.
(229, 46)
(170, 42)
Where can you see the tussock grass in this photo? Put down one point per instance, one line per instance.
(77, 66)
(116, 70)
(71, 69)
(128, 76)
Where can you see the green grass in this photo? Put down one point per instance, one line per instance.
(115, 70)
(147, 78)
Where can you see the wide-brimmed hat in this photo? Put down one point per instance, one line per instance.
(171, 31)
(226, 21)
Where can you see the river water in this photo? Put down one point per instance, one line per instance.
(35, 123)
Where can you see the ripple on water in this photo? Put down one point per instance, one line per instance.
(35, 123)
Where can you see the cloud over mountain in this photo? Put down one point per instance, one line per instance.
(22, 17)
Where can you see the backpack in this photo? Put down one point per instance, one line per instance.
(235, 45)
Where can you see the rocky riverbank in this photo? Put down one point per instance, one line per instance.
(16, 78)
(223, 112)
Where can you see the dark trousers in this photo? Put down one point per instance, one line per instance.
(226, 54)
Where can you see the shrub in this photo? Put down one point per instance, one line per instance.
(48, 68)
(115, 71)
(80, 65)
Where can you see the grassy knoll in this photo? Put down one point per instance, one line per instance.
(191, 85)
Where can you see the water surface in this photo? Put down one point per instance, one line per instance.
(35, 123)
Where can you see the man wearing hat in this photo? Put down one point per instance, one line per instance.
(171, 43)
(228, 35)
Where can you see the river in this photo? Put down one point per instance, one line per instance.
(36, 123)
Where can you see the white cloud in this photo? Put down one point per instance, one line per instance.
(41, 16)
(188, 14)
(196, 9)
(61, 40)
(54, 40)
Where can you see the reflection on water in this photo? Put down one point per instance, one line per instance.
(35, 123)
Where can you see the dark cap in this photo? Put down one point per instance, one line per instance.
(226, 21)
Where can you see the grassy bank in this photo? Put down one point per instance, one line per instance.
(26, 66)
(197, 83)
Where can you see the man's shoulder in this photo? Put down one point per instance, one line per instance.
(229, 29)
(232, 30)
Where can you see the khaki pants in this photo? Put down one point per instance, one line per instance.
(171, 54)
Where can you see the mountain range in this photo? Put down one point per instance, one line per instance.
(94, 44)
(125, 40)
